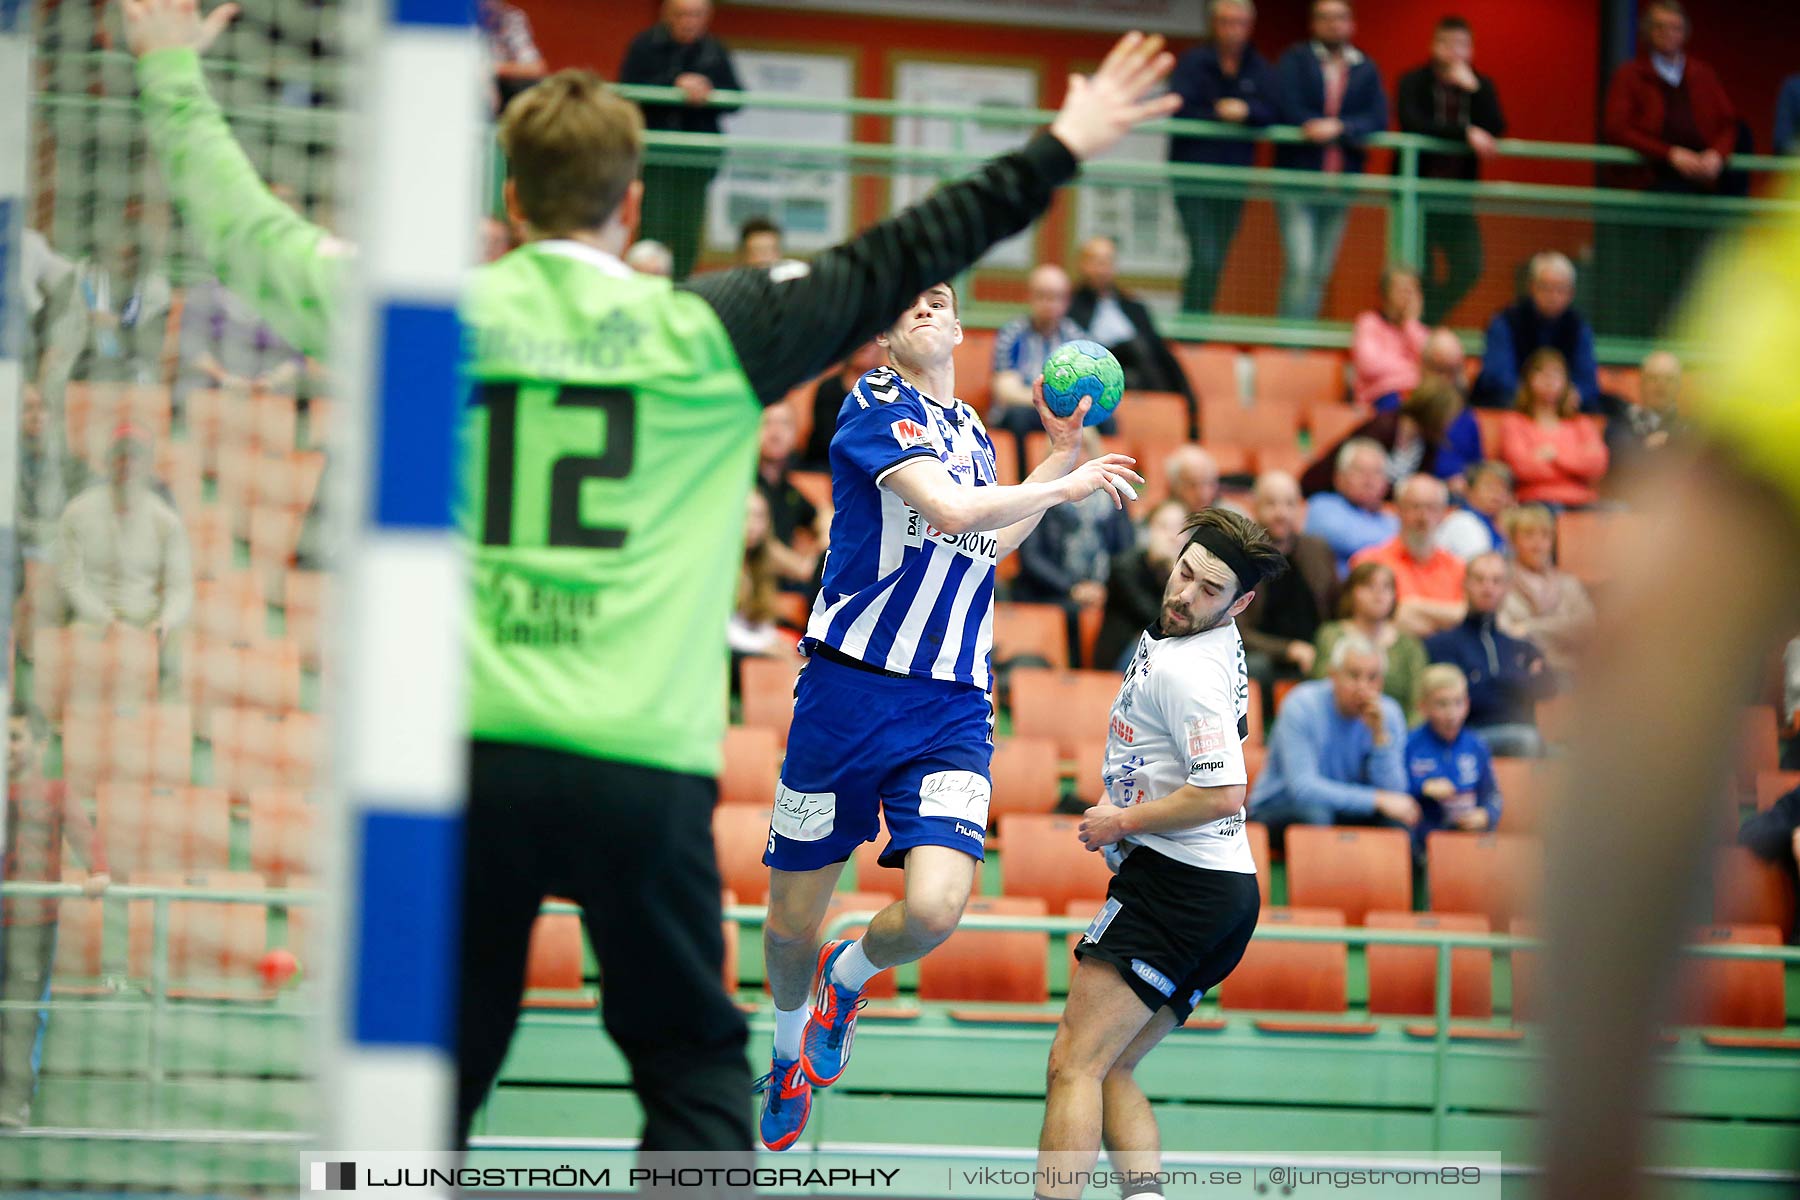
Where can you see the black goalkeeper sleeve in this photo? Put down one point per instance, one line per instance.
(788, 323)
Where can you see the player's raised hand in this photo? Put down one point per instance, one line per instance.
(152, 25)
(1110, 473)
(1101, 108)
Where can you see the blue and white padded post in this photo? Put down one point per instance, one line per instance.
(401, 726)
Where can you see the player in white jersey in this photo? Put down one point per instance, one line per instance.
(891, 714)
(1183, 901)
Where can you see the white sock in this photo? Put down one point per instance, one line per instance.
(853, 968)
(789, 1026)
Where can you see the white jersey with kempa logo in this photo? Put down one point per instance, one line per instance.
(1182, 715)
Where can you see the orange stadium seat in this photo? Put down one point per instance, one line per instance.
(766, 686)
(83, 665)
(1759, 745)
(1041, 856)
(274, 539)
(275, 423)
(1308, 378)
(1403, 979)
(1526, 789)
(752, 767)
(1006, 465)
(151, 743)
(1524, 972)
(1620, 381)
(254, 748)
(1331, 424)
(975, 367)
(80, 942)
(1212, 370)
(1736, 992)
(1090, 769)
(216, 419)
(1156, 421)
(1352, 870)
(320, 413)
(1290, 459)
(990, 964)
(1257, 834)
(284, 829)
(1068, 706)
(230, 608)
(178, 466)
(1489, 422)
(1773, 785)
(815, 486)
(1031, 629)
(212, 548)
(263, 673)
(149, 829)
(1495, 874)
(740, 833)
(1291, 976)
(1748, 890)
(214, 946)
(302, 607)
(553, 964)
(1026, 779)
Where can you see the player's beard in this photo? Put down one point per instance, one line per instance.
(1187, 624)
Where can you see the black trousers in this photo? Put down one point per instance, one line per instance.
(1210, 222)
(675, 210)
(633, 847)
(1457, 237)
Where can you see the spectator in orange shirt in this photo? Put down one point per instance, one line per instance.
(1427, 577)
(40, 816)
(1557, 457)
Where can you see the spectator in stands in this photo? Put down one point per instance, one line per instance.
(1193, 476)
(511, 50)
(1447, 98)
(1787, 117)
(1279, 626)
(1366, 606)
(1386, 344)
(1543, 318)
(1419, 435)
(1449, 767)
(46, 475)
(828, 402)
(1333, 91)
(1350, 517)
(1427, 578)
(1120, 322)
(1475, 526)
(1507, 675)
(1557, 455)
(679, 52)
(1135, 583)
(790, 513)
(1673, 111)
(1068, 557)
(1773, 835)
(1544, 606)
(647, 256)
(1021, 346)
(1228, 80)
(759, 242)
(752, 631)
(128, 301)
(122, 554)
(40, 815)
(1790, 706)
(48, 282)
(1443, 358)
(1648, 425)
(1336, 754)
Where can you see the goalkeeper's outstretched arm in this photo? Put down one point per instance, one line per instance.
(287, 268)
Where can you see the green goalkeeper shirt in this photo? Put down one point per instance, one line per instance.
(608, 434)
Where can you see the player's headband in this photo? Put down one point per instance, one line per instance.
(1224, 548)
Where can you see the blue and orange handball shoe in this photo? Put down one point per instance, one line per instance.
(825, 1048)
(787, 1102)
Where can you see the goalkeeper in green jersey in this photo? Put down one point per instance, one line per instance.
(609, 440)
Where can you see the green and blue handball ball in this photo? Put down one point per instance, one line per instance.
(1080, 370)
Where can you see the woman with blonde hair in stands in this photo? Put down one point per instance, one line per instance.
(1544, 605)
(1366, 605)
(752, 630)
(1557, 456)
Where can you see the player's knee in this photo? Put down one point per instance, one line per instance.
(1068, 1065)
(790, 925)
(932, 917)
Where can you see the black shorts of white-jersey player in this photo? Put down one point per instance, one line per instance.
(1171, 928)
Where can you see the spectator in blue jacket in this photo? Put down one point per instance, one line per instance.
(1334, 93)
(1447, 763)
(1507, 675)
(1224, 80)
(1545, 316)
(1336, 757)
(1351, 517)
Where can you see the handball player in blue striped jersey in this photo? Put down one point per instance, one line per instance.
(891, 714)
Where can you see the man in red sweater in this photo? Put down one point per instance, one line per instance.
(1671, 109)
(39, 814)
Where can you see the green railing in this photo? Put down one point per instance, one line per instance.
(1615, 234)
